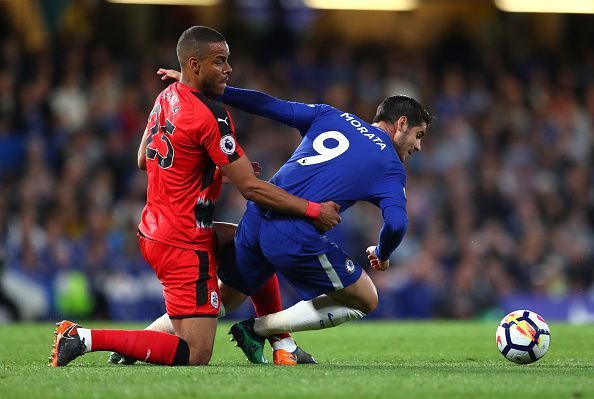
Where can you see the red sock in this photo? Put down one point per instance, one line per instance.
(267, 300)
(149, 346)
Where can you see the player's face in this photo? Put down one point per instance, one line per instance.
(215, 69)
(407, 140)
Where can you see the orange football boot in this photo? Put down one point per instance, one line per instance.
(67, 344)
(298, 356)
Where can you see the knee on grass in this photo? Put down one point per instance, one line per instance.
(199, 356)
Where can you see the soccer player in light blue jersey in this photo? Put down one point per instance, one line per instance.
(343, 159)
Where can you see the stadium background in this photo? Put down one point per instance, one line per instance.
(501, 198)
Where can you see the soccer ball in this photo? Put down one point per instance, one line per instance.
(523, 337)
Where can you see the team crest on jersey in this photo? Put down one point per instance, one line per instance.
(227, 144)
(214, 299)
(349, 266)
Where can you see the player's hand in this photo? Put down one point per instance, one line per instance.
(377, 264)
(255, 166)
(168, 74)
(329, 216)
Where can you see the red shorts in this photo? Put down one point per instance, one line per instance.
(189, 278)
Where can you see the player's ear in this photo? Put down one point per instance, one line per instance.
(401, 123)
(194, 64)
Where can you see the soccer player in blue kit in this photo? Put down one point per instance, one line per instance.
(343, 159)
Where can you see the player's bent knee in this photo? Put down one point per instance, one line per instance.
(371, 303)
(371, 300)
(199, 333)
(368, 303)
(199, 357)
(366, 296)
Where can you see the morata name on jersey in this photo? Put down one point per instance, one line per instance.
(363, 130)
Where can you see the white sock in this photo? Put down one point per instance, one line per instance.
(86, 337)
(287, 344)
(162, 324)
(318, 313)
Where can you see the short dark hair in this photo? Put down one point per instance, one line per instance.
(394, 107)
(193, 39)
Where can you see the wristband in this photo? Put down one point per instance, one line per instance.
(313, 210)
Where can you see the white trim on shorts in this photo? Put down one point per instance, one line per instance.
(330, 272)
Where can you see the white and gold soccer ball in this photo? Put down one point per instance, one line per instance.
(523, 337)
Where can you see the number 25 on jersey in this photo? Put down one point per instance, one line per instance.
(160, 147)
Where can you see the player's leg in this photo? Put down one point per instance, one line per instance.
(164, 323)
(249, 273)
(266, 299)
(232, 297)
(361, 295)
(245, 273)
(283, 352)
(224, 232)
(334, 288)
(229, 295)
(190, 288)
(199, 333)
(325, 311)
(72, 341)
(286, 352)
(192, 344)
(191, 297)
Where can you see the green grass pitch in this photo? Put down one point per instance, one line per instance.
(357, 360)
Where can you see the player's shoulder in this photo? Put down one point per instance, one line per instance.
(320, 109)
(209, 109)
(204, 110)
(328, 114)
(325, 109)
(174, 98)
(353, 119)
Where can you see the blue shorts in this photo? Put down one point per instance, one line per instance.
(262, 250)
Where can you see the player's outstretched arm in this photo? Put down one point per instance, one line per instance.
(294, 114)
(391, 235)
(324, 216)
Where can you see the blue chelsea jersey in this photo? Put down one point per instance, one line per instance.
(345, 160)
(341, 158)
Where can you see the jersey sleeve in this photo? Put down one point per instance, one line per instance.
(294, 114)
(392, 232)
(390, 190)
(216, 133)
(390, 196)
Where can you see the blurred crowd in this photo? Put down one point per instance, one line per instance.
(500, 199)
